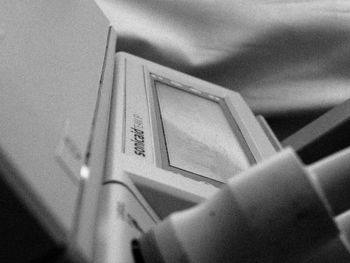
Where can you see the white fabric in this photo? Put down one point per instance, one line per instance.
(285, 57)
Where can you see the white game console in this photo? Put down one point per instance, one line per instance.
(174, 140)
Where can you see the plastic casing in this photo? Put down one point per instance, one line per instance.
(54, 62)
(137, 192)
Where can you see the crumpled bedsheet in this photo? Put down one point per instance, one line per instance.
(285, 57)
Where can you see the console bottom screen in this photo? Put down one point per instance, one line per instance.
(198, 137)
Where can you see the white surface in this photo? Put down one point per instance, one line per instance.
(51, 54)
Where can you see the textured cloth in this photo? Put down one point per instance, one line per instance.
(284, 57)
